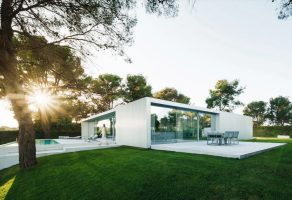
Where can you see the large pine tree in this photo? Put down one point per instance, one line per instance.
(101, 23)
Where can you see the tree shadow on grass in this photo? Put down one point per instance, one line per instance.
(7, 179)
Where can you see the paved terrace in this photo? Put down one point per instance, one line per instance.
(9, 152)
(238, 151)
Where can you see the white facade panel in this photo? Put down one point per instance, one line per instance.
(87, 129)
(235, 122)
(84, 130)
(132, 124)
(181, 105)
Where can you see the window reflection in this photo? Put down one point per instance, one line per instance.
(109, 125)
(169, 125)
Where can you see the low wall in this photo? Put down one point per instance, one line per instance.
(272, 131)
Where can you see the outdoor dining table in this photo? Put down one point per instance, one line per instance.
(217, 136)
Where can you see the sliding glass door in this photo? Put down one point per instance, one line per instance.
(170, 125)
(109, 124)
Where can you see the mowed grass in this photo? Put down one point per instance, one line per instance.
(133, 173)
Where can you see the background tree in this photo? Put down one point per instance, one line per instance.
(285, 9)
(257, 110)
(136, 87)
(80, 101)
(205, 120)
(223, 96)
(2, 88)
(107, 88)
(52, 70)
(171, 94)
(280, 111)
(101, 23)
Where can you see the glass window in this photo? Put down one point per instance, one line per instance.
(187, 125)
(110, 127)
(163, 125)
(205, 124)
(170, 125)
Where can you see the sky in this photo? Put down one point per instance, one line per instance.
(226, 39)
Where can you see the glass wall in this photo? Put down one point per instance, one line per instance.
(163, 125)
(110, 127)
(170, 125)
(205, 124)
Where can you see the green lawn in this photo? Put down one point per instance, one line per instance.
(133, 173)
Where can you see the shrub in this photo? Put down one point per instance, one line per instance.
(8, 136)
(272, 131)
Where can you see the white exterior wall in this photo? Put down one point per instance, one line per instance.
(84, 130)
(235, 122)
(133, 124)
(87, 129)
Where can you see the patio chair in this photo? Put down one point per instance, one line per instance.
(76, 137)
(235, 137)
(219, 138)
(210, 137)
(63, 137)
(92, 138)
(228, 137)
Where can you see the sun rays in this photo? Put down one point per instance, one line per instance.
(43, 100)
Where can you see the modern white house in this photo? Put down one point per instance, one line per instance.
(148, 121)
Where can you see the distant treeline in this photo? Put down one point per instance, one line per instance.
(8, 136)
(57, 129)
(272, 131)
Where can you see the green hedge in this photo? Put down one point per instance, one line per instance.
(71, 130)
(56, 131)
(272, 131)
(8, 136)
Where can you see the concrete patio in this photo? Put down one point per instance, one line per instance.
(237, 151)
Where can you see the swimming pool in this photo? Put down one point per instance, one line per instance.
(46, 142)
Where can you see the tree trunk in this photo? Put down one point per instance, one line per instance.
(26, 140)
(26, 136)
(14, 90)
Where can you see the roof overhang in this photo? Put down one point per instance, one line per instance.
(181, 106)
(105, 115)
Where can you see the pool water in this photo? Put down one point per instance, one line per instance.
(46, 142)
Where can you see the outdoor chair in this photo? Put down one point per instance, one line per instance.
(63, 137)
(76, 137)
(219, 138)
(210, 137)
(235, 137)
(92, 137)
(228, 137)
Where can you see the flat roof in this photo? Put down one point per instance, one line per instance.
(182, 106)
(154, 102)
(100, 116)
